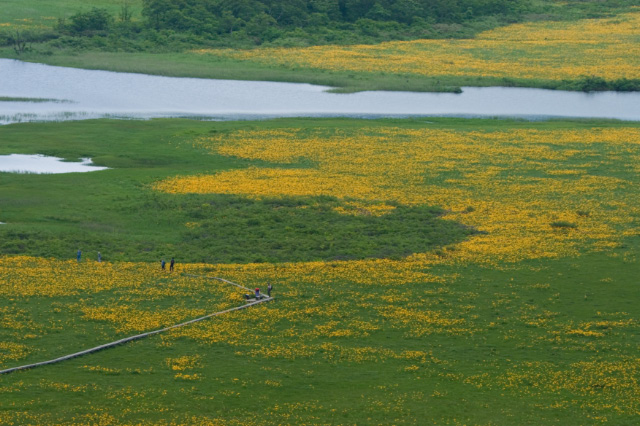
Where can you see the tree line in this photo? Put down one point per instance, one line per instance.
(259, 17)
(246, 23)
(176, 24)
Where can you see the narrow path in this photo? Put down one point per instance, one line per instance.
(219, 279)
(143, 335)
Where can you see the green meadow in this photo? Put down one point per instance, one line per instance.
(503, 312)
(26, 14)
(118, 212)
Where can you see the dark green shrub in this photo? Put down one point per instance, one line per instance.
(626, 85)
(593, 84)
(563, 224)
(97, 20)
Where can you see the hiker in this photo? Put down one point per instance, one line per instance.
(257, 293)
(269, 288)
(79, 255)
(162, 264)
(171, 265)
(99, 257)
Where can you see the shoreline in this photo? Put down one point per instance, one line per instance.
(187, 65)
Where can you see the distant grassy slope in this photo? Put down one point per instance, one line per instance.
(26, 13)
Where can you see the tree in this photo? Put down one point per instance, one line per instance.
(260, 25)
(156, 12)
(19, 41)
(406, 11)
(125, 12)
(228, 22)
(330, 8)
(95, 20)
(378, 13)
(352, 10)
(289, 12)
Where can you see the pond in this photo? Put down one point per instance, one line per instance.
(41, 164)
(72, 94)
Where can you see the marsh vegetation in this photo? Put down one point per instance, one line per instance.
(519, 308)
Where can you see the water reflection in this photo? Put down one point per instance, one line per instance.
(40, 164)
(97, 94)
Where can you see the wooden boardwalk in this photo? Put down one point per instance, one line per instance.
(147, 334)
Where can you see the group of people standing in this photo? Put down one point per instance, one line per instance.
(163, 264)
(172, 263)
(257, 294)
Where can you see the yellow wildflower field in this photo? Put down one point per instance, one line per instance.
(607, 47)
(534, 311)
(126, 297)
(510, 185)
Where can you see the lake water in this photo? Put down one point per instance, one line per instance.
(41, 164)
(95, 94)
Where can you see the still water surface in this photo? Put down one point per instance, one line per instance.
(95, 94)
(41, 164)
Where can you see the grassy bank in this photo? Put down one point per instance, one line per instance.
(530, 320)
(36, 100)
(198, 66)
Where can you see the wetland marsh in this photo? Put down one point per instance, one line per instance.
(426, 270)
(457, 328)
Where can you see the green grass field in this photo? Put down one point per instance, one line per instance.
(118, 212)
(509, 318)
(45, 13)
